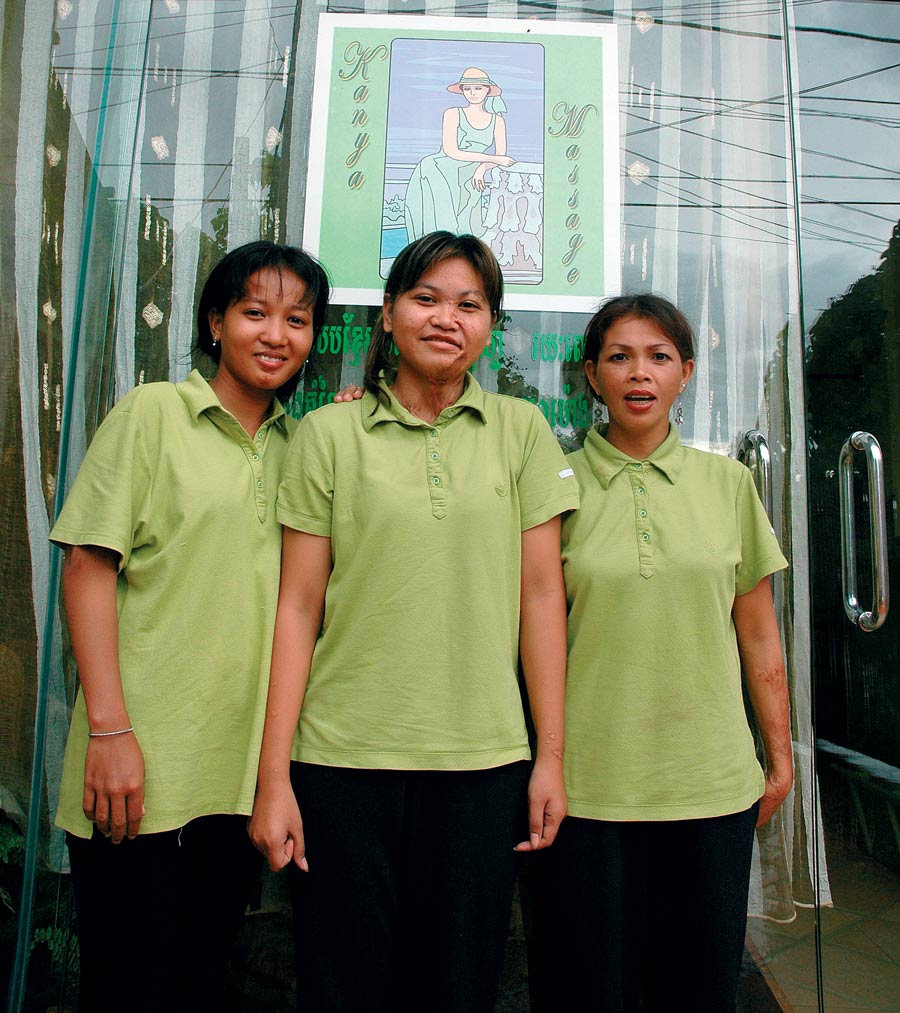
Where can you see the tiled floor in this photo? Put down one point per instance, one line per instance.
(860, 941)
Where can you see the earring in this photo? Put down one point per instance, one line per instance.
(679, 408)
(599, 413)
(215, 338)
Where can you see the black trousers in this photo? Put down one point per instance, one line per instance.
(158, 915)
(639, 916)
(407, 900)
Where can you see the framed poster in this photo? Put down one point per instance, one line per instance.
(504, 129)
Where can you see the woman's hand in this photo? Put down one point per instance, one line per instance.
(352, 392)
(114, 785)
(276, 828)
(505, 160)
(778, 788)
(478, 178)
(547, 804)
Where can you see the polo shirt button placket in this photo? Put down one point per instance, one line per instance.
(434, 471)
(645, 549)
(255, 461)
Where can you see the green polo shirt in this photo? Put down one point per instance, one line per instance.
(653, 560)
(174, 484)
(416, 664)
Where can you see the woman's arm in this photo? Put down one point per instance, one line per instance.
(542, 648)
(275, 826)
(500, 136)
(762, 661)
(114, 764)
(450, 145)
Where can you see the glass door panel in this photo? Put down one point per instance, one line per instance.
(851, 266)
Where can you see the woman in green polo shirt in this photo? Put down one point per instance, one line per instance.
(643, 898)
(170, 584)
(420, 563)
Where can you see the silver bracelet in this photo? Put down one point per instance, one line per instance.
(103, 735)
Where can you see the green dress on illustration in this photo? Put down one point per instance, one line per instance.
(441, 195)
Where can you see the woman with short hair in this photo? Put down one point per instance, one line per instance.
(170, 583)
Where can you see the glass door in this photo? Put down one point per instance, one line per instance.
(850, 245)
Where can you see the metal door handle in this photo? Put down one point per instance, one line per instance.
(871, 620)
(754, 445)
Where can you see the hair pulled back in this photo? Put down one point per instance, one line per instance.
(415, 260)
(644, 306)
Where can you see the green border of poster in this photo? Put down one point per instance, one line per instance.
(580, 170)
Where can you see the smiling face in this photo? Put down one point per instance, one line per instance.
(265, 336)
(441, 325)
(638, 374)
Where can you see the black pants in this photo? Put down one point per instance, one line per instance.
(406, 903)
(639, 916)
(158, 916)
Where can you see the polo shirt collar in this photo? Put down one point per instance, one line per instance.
(606, 461)
(200, 397)
(472, 399)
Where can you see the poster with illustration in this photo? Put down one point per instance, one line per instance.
(504, 129)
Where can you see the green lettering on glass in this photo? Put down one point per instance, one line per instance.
(315, 395)
(557, 347)
(493, 351)
(566, 412)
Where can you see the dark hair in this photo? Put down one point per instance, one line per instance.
(227, 283)
(414, 261)
(645, 306)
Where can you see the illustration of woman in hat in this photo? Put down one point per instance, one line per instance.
(445, 189)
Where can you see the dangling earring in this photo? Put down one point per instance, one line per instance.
(215, 338)
(679, 408)
(599, 412)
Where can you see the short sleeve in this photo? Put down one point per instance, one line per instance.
(546, 483)
(107, 504)
(306, 493)
(760, 552)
